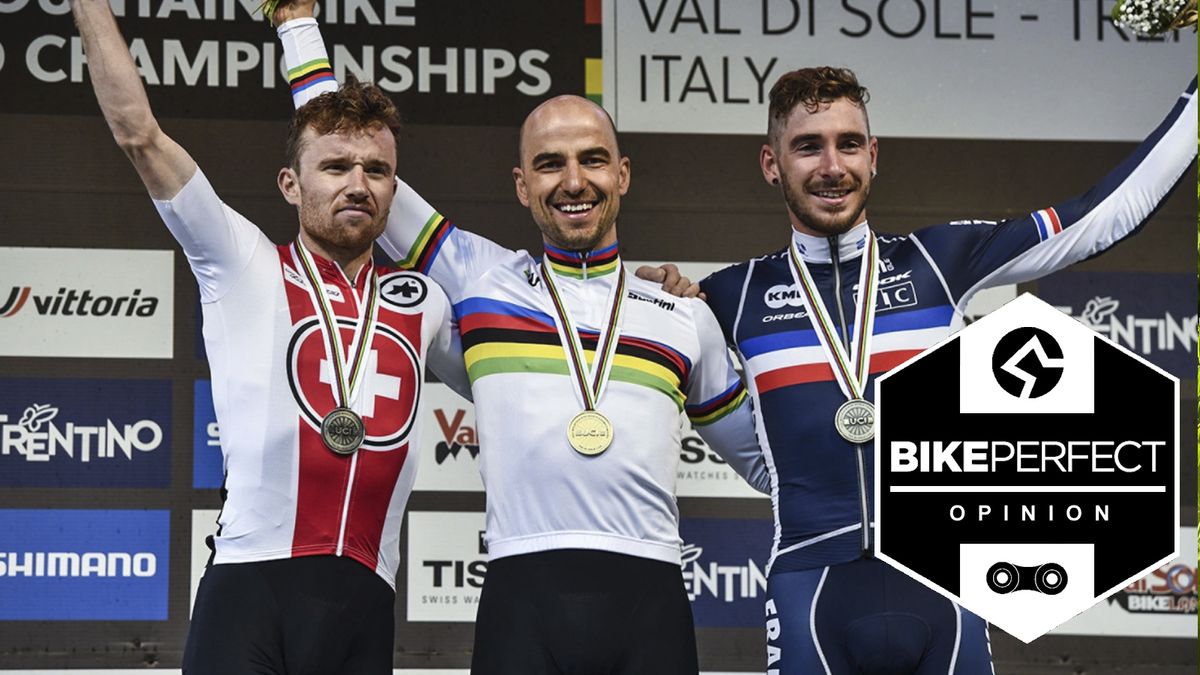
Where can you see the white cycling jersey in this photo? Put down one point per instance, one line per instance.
(287, 494)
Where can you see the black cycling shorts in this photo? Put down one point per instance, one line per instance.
(317, 615)
(574, 612)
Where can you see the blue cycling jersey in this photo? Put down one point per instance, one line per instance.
(822, 485)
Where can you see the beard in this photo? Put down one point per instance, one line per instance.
(340, 239)
(575, 239)
(821, 221)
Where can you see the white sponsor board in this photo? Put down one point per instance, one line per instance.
(204, 523)
(101, 303)
(935, 69)
(1155, 606)
(446, 565)
(449, 442)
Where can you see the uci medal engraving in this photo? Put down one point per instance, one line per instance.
(343, 431)
(590, 433)
(855, 420)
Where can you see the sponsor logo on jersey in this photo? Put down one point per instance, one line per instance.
(403, 289)
(896, 291)
(669, 306)
(725, 569)
(62, 564)
(108, 433)
(389, 393)
(780, 296)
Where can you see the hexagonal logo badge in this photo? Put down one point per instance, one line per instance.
(1014, 459)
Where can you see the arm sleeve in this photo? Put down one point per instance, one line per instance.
(979, 254)
(308, 70)
(445, 356)
(718, 406)
(217, 240)
(419, 238)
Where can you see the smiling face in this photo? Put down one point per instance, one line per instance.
(572, 176)
(342, 185)
(823, 162)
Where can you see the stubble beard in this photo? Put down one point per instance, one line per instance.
(574, 239)
(825, 224)
(316, 222)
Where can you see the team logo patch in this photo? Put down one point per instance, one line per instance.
(403, 290)
(390, 393)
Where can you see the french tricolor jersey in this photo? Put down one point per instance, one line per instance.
(670, 360)
(287, 494)
(822, 494)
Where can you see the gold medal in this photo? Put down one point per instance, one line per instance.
(343, 431)
(855, 420)
(590, 433)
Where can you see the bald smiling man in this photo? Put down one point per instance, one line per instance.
(579, 374)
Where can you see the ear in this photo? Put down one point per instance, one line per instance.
(767, 162)
(623, 176)
(522, 188)
(874, 155)
(289, 185)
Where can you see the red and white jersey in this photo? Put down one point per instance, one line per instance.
(289, 495)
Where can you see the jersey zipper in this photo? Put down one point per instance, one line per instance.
(859, 457)
(341, 541)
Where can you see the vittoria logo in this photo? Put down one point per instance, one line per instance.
(74, 302)
(456, 436)
(390, 391)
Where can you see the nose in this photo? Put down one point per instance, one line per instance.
(831, 163)
(356, 183)
(573, 181)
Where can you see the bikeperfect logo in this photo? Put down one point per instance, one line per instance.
(1040, 447)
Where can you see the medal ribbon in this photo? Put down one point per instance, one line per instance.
(850, 372)
(589, 381)
(347, 369)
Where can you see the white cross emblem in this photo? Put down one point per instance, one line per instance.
(376, 383)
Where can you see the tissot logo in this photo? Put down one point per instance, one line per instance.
(1027, 363)
(76, 302)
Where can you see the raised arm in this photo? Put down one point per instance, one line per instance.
(163, 165)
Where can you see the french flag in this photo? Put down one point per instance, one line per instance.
(1047, 223)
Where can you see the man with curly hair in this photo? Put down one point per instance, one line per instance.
(831, 606)
(317, 358)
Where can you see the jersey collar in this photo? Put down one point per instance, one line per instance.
(591, 264)
(816, 249)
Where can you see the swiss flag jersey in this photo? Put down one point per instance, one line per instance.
(273, 383)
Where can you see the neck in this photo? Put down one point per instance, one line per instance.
(350, 261)
(804, 228)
